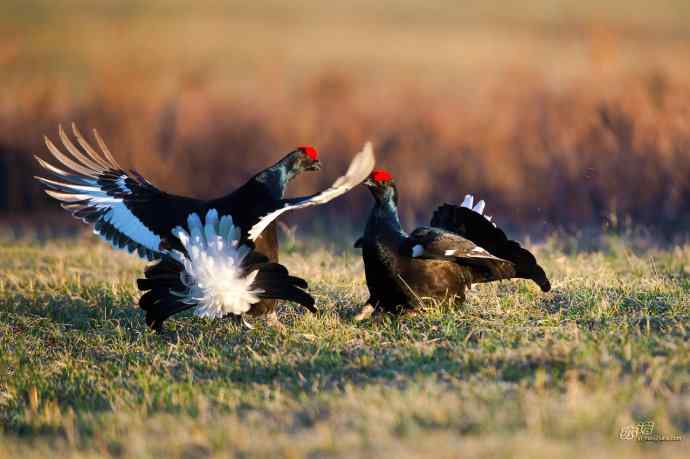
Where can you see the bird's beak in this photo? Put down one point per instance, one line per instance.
(370, 183)
(315, 166)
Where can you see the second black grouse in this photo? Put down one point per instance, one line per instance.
(460, 248)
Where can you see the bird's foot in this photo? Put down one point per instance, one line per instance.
(273, 321)
(409, 313)
(241, 322)
(246, 324)
(366, 312)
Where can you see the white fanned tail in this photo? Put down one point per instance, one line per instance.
(213, 274)
(468, 203)
(358, 171)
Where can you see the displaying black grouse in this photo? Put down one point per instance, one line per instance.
(132, 214)
(460, 248)
(216, 274)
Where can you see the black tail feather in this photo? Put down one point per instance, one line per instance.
(159, 302)
(299, 282)
(475, 227)
(277, 283)
(290, 293)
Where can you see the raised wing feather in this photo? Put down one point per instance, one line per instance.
(124, 208)
(359, 169)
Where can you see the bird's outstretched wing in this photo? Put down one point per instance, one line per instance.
(359, 169)
(124, 208)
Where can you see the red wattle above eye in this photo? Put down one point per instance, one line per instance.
(381, 176)
(310, 151)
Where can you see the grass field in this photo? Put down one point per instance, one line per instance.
(511, 373)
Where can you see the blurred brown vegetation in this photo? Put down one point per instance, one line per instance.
(556, 122)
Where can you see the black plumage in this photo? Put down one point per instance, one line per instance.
(132, 214)
(158, 212)
(460, 248)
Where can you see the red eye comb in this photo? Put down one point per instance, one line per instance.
(381, 176)
(309, 151)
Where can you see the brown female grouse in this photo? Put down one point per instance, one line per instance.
(460, 248)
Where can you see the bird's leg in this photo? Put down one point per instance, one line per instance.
(240, 321)
(245, 323)
(237, 320)
(365, 313)
(273, 321)
(367, 310)
(407, 313)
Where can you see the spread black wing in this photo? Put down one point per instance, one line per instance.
(124, 208)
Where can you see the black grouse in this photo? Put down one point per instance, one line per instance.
(460, 247)
(132, 214)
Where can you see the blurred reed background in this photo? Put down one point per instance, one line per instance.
(561, 114)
